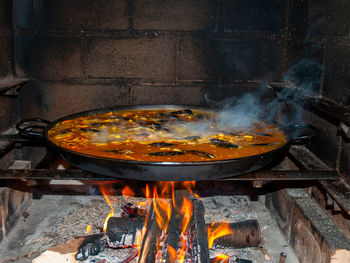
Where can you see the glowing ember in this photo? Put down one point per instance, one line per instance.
(217, 230)
(166, 205)
(126, 192)
(172, 253)
(221, 258)
(88, 229)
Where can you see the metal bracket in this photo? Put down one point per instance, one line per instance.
(345, 129)
(10, 86)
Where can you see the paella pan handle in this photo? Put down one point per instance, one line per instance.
(301, 133)
(33, 128)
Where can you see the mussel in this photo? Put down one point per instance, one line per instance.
(265, 144)
(144, 134)
(65, 131)
(119, 151)
(262, 134)
(201, 154)
(161, 144)
(89, 130)
(223, 144)
(186, 112)
(232, 133)
(167, 153)
(192, 138)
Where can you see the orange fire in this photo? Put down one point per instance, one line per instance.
(162, 210)
(217, 230)
(127, 192)
(186, 211)
(88, 229)
(111, 213)
(172, 253)
(221, 258)
(189, 185)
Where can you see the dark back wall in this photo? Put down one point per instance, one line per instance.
(88, 54)
(84, 54)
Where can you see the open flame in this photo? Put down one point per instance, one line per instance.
(111, 213)
(163, 208)
(126, 192)
(88, 229)
(216, 230)
(221, 258)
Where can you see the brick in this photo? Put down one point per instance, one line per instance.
(188, 15)
(51, 101)
(49, 57)
(315, 237)
(227, 60)
(85, 14)
(329, 17)
(12, 204)
(337, 67)
(281, 208)
(345, 159)
(325, 145)
(183, 95)
(5, 37)
(256, 15)
(5, 55)
(131, 58)
(310, 231)
(5, 16)
(6, 113)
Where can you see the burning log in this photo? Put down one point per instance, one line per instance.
(179, 222)
(149, 244)
(201, 231)
(123, 232)
(243, 234)
(91, 246)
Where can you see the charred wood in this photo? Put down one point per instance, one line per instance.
(283, 258)
(91, 246)
(122, 232)
(176, 223)
(244, 234)
(201, 231)
(149, 244)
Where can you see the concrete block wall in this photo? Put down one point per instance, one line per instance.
(326, 41)
(5, 37)
(6, 104)
(145, 51)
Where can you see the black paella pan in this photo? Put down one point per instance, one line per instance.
(160, 171)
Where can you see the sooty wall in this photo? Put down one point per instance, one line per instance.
(324, 43)
(7, 104)
(89, 54)
(84, 54)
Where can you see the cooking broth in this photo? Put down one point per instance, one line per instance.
(163, 136)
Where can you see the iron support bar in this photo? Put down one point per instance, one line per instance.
(10, 86)
(5, 147)
(339, 192)
(47, 174)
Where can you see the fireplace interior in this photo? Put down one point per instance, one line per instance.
(286, 60)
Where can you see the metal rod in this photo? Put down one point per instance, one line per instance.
(340, 193)
(5, 147)
(47, 174)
